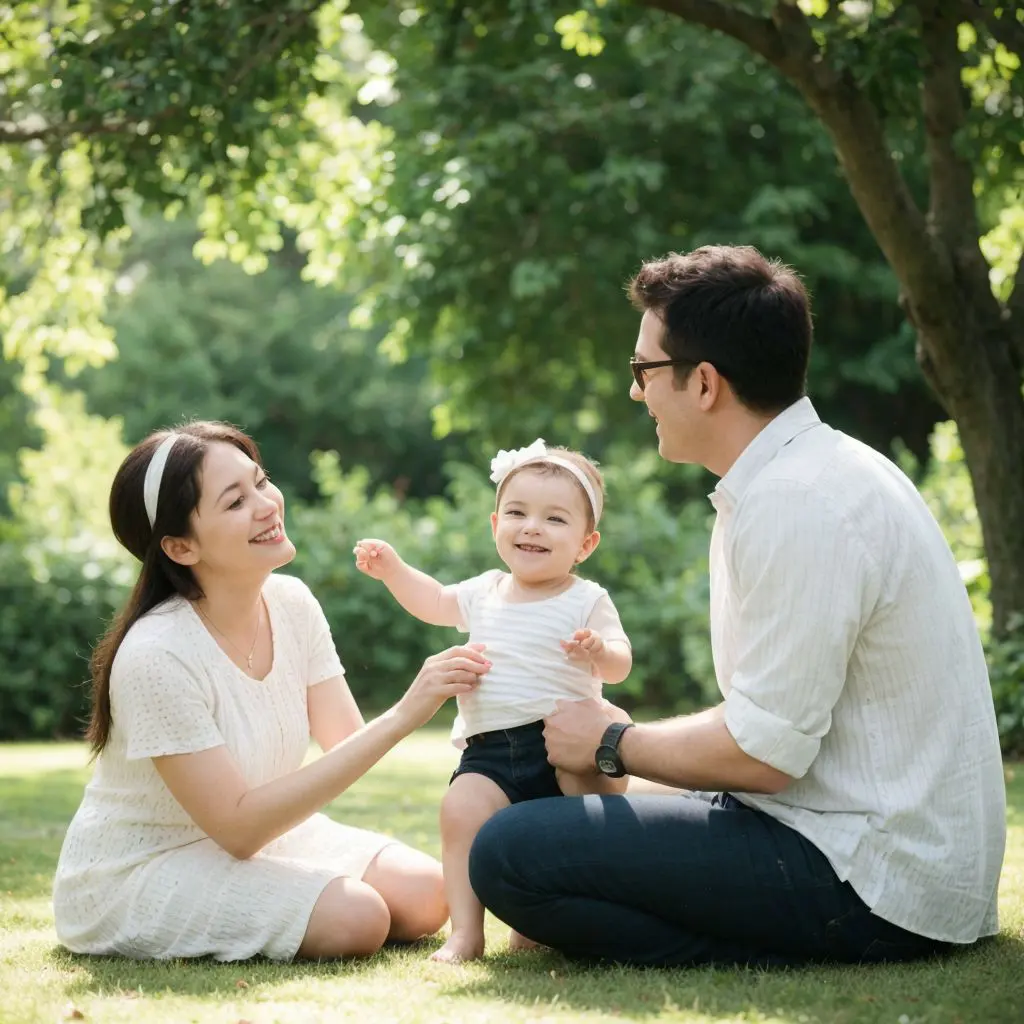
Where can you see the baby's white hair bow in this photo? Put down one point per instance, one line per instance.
(505, 461)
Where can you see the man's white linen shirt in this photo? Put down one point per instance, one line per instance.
(847, 654)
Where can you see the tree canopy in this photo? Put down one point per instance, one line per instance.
(267, 352)
(484, 177)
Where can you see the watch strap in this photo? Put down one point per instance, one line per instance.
(606, 757)
(613, 734)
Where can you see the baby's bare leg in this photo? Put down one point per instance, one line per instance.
(581, 785)
(469, 802)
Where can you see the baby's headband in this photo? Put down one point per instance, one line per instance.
(154, 474)
(504, 462)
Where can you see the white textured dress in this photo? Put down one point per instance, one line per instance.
(137, 877)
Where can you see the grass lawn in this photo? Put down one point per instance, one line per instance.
(40, 786)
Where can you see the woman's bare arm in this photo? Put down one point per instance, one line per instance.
(210, 786)
(333, 712)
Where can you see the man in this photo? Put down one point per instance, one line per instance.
(859, 808)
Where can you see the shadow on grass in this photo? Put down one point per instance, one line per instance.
(206, 977)
(981, 984)
(984, 983)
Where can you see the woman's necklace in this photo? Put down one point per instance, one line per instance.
(252, 650)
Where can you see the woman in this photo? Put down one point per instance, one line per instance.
(199, 833)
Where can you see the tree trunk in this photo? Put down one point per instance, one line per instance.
(981, 390)
(970, 346)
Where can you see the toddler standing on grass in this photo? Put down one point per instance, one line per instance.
(549, 636)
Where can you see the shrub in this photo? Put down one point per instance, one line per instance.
(48, 625)
(1006, 671)
(56, 598)
(946, 488)
(61, 580)
(652, 560)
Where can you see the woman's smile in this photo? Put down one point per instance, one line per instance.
(272, 536)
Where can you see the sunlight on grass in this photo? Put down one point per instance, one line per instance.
(40, 786)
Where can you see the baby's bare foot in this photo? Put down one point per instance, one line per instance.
(460, 947)
(517, 942)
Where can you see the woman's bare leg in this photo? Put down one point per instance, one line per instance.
(469, 802)
(412, 886)
(350, 919)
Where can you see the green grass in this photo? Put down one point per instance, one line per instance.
(40, 786)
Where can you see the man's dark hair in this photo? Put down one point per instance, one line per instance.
(729, 306)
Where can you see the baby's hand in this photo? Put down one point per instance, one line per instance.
(585, 645)
(377, 558)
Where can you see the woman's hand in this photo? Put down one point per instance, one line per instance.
(448, 674)
(377, 558)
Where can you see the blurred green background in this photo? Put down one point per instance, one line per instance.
(388, 239)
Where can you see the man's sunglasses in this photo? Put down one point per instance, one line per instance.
(638, 367)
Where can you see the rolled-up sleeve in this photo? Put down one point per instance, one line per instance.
(803, 583)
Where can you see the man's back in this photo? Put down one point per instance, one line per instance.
(905, 793)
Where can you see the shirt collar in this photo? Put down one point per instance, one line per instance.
(794, 420)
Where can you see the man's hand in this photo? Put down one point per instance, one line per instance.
(377, 558)
(573, 733)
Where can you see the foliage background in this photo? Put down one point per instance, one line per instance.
(398, 245)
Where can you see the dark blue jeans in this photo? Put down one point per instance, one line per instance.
(674, 880)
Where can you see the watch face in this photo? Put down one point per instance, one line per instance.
(608, 763)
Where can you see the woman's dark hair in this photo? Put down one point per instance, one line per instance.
(729, 306)
(160, 577)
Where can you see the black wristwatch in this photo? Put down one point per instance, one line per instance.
(606, 756)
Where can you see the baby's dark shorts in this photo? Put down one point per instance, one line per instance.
(514, 759)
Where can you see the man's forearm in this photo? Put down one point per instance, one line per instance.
(697, 752)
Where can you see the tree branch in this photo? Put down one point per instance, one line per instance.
(760, 34)
(952, 210)
(786, 42)
(11, 132)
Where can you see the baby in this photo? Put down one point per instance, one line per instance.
(549, 635)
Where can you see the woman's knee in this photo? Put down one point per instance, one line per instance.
(412, 885)
(350, 919)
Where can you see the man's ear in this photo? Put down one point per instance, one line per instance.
(710, 384)
(180, 549)
(590, 542)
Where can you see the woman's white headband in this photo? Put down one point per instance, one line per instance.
(154, 474)
(504, 462)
